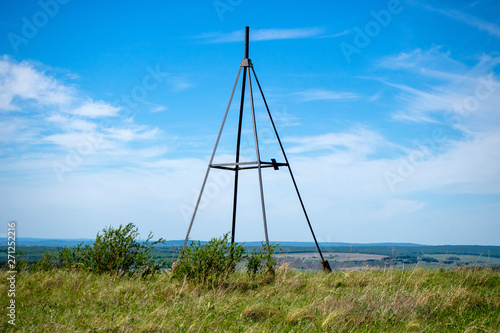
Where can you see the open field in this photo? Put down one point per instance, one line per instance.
(337, 256)
(419, 300)
(447, 257)
(337, 260)
(405, 260)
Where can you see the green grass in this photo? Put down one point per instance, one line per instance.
(419, 300)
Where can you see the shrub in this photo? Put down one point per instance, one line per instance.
(115, 251)
(262, 261)
(208, 264)
(429, 259)
(46, 263)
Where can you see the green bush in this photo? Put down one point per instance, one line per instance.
(262, 261)
(208, 264)
(46, 263)
(115, 251)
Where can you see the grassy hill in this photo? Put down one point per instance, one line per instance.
(418, 300)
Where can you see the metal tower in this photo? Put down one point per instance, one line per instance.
(237, 166)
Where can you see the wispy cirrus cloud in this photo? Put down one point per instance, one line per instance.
(358, 141)
(450, 88)
(457, 100)
(468, 19)
(473, 21)
(158, 108)
(133, 133)
(322, 94)
(423, 60)
(265, 34)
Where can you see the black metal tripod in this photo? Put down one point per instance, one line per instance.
(246, 65)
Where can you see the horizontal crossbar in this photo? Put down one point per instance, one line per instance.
(247, 165)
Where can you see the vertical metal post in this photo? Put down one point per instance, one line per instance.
(246, 41)
(238, 143)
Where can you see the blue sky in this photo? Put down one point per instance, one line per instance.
(388, 111)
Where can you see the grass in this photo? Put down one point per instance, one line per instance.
(420, 300)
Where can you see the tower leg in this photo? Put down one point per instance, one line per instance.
(211, 160)
(326, 266)
(324, 263)
(259, 165)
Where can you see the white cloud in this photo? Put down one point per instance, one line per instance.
(394, 207)
(464, 101)
(71, 139)
(471, 166)
(130, 134)
(358, 142)
(471, 20)
(273, 34)
(178, 83)
(18, 130)
(52, 115)
(264, 35)
(21, 81)
(375, 97)
(70, 124)
(321, 94)
(472, 94)
(158, 108)
(433, 62)
(96, 109)
(343, 33)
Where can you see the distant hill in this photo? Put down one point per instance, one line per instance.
(407, 253)
(27, 241)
